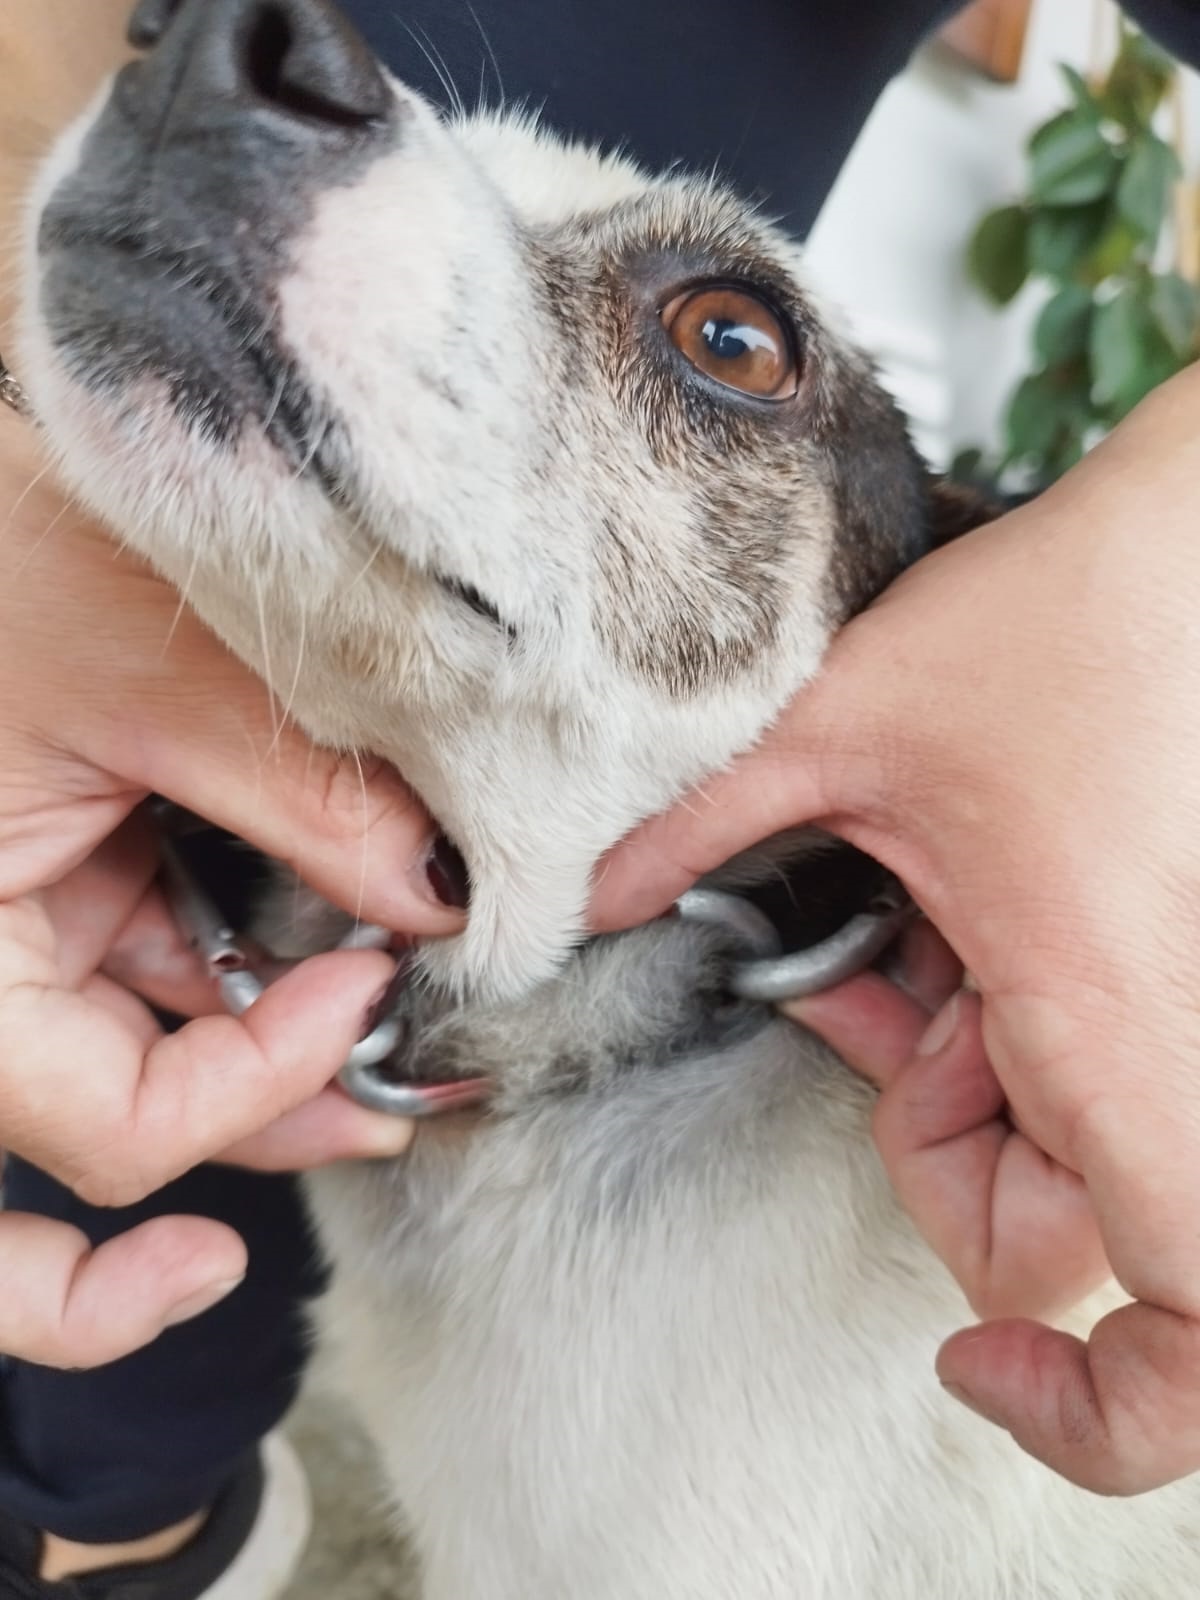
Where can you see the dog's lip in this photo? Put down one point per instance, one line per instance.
(153, 259)
(291, 419)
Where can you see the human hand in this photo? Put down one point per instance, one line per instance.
(1016, 1227)
(1009, 730)
(108, 691)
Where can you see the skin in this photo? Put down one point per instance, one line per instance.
(100, 701)
(107, 692)
(1010, 729)
(1007, 729)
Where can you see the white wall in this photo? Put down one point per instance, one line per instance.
(943, 146)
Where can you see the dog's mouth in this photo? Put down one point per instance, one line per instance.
(392, 1086)
(404, 1067)
(384, 1072)
(211, 884)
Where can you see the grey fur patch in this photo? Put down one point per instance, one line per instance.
(760, 480)
(660, 995)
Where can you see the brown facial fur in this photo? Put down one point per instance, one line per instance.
(761, 479)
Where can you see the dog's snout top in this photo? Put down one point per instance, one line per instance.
(211, 61)
(169, 235)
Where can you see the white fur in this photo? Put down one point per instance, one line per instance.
(665, 1337)
(257, 547)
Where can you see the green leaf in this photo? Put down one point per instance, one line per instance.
(1157, 365)
(1175, 307)
(1129, 354)
(1033, 417)
(1067, 452)
(1118, 328)
(1140, 50)
(997, 254)
(1144, 192)
(1115, 253)
(1059, 239)
(1062, 329)
(1080, 89)
(967, 466)
(1138, 80)
(1072, 162)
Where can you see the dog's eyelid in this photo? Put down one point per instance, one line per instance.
(766, 296)
(468, 595)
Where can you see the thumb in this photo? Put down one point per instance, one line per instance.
(771, 788)
(826, 760)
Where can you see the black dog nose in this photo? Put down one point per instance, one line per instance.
(213, 58)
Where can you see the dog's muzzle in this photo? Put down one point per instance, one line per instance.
(163, 252)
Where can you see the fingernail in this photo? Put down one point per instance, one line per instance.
(387, 1136)
(203, 1300)
(957, 1392)
(942, 1029)
(384, 1002)
(447, 874)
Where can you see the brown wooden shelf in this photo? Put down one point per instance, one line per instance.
(990, 36)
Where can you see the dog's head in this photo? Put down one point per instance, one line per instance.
(540, 477)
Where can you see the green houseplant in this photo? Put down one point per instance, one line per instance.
(1090, 228)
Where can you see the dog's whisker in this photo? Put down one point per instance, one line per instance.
(30, 488)
(459, 103)
(376, 551)
(366, 837)
(487, 45)
(41, 539)
(264, 645)
(276, 401)
(182, 606)
(311, 451)
(295, 684)
(443, 77)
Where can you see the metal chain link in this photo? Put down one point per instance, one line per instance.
(12, 394)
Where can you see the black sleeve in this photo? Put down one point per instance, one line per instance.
(1174, 23)
(770, 93)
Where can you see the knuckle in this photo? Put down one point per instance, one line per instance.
(106, 1190)
(24, 922)
(69, 1349)
(74, 1345)
(113, 1179)
(52, 1347)
(352, 798)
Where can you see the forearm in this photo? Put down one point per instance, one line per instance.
(53, 55)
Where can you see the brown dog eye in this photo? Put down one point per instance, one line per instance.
(734, 337)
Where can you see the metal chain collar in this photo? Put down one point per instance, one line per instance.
(12, 394)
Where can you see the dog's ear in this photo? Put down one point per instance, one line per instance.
(956, 508)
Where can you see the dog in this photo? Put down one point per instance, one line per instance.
(547, 481)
